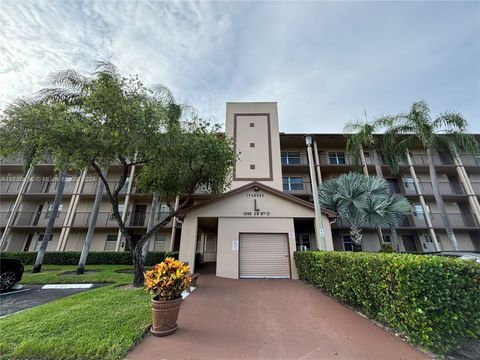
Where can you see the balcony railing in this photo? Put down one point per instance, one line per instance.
(106, 219)
(457, 220)
(304, 188)
(446, 188)
(10, 187)
(28, 218)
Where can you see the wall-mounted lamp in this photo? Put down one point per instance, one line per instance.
(308, 140)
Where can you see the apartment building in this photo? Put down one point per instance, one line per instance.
(252, 230)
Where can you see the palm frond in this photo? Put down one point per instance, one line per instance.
(69, 79)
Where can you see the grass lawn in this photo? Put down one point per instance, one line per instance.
(99, 324)
(98, 274)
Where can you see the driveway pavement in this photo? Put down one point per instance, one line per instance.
(32, 295)
(270, 319)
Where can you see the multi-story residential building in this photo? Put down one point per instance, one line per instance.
(253, 229)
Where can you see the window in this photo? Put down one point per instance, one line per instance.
(252, 124)
(476, 159)
(210, 243)
(50, 209)
(68, 178)
(39, 242)
(252, 145)
(419, 211)
(111, 242)
(290, 158)
(349, 245)
(336, 158)
(252, 166)
(160, 242)
(387, 239)
(292, 183)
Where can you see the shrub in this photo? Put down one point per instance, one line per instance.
(433, 300)
(94, 258)
(386, 248)
(167, 280)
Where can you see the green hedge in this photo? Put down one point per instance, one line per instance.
(94, 258)
(434, 301)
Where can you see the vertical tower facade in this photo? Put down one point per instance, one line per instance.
(254, 130)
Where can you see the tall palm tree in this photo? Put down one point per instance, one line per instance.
(443, 133)
(361, 135)
(363, 202)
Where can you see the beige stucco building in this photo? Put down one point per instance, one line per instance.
(253, 229)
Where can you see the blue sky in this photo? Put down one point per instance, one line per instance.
(325, 63)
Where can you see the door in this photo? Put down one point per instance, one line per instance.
(264, 256)
(427, 243)
(139, 215)
(303, 242)
(409, 243)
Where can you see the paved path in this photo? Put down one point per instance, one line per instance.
(32, 295)
(270, 319)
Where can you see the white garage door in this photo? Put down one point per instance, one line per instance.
(264, 256)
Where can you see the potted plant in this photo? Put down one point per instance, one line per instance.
(166, 282)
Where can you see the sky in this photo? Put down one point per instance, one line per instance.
(324, 63)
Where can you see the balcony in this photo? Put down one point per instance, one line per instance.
(294, 159)
(33, 219)
(106, 219)
(90, 187)
(446, 188)
(49, 187)
(10, 187)
(457, 220)
(303, 188)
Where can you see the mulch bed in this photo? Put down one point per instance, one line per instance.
(75, 272)
(125, 271)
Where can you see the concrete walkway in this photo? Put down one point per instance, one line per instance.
(270, 319)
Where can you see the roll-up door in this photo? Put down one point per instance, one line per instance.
(264, 256)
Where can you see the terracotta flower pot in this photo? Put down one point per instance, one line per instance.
(164, 316)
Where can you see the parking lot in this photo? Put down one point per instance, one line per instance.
(27, 296)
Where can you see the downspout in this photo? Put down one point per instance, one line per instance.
(426, 212)
(8, 226)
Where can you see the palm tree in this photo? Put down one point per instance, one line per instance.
(446, 132)
(360, 135)
(363, 202)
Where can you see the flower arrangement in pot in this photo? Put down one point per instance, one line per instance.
(166, 282)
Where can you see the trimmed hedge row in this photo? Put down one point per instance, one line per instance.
(433, 300)
(94, 258)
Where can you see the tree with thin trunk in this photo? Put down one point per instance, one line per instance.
(363, 202)
(117, 120)
(416, 126)
(92, 222)
(33, 130)
(361, 135)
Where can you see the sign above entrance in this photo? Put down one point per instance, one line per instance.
(256, 207)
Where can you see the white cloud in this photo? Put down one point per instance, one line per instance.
(323, 62)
